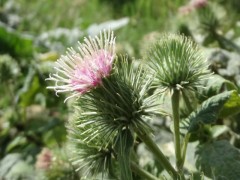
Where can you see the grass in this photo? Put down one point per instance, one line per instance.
(145, 16)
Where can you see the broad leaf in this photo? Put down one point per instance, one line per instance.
(208, 111)
(13, 167)
(218, 160)
(18, 141)
(8, 162)
(14, 43)
(232, 106)
(214, 86)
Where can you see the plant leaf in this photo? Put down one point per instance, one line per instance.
(14, 43)
(18, 141)
(219, 160)
(214, 86)
(31, 87)
(208, 111)
(232, 106)
(8, 162)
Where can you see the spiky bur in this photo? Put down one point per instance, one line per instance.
(120, 103)
(177, 63)
(208, 20)
(82, 70)
(210, 23)
(90, 158)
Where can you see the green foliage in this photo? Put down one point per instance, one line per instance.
(15, 44)
(219, 160)
(8, 68)
(213, 86)
(208, 112)
(14, 167)
(32, 117)
(232, 106)
(30, 88)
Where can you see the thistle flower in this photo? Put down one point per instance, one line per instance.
(198, 3)
(193, 4)
(120, 104)
(44, 159)
(208, 20)
(186, 9)
(177, 63)
(79, 72)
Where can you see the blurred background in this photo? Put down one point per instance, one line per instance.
(33, 34)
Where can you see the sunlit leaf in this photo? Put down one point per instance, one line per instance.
(232, 106)
(214, 86)
(208, 111)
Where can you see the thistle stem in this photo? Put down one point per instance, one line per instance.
(141, 172)
(176, 119)
(187, 102)
(187, 136)
(184, 148)
(158, 154)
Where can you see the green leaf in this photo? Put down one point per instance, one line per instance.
(232, 106)
(218, 160)
(8, 162)
(21, 170)
(30, 88)
(208, 111)
(18, 141)
(14, 167)
(15, 44)
(208, 40)
(214, 86)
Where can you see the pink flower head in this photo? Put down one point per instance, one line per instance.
(79, 72)
(198, 3)
(44, 159)
(193, 4)
(184, 10)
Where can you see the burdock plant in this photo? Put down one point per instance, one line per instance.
(113, 105)
(115, 100)
(179, 69)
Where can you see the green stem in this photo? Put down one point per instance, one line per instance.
(176, 119)
(187, 102)
(141, 172)
(187, 136)
(158, 154)
(184, 148)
